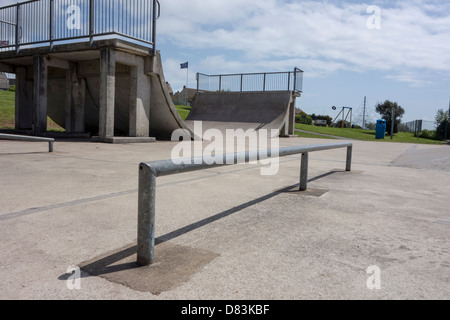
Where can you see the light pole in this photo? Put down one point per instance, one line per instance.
(392, 123)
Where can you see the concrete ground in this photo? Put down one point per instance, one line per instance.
(225, 233)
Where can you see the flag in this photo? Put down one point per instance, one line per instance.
(185, 65)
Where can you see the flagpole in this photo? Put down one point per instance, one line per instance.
(186, 66)
(186, 87)
(187, 84)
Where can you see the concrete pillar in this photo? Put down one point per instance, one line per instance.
(284, 133)
(76, 93)
(139, 102)
(292, 117)
(107, 93)
(40, 94)
(23, 101)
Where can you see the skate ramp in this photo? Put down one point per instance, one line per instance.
(216, 110)
(164, 118)
(242, 110)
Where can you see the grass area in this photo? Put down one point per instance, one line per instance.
(311, 135)
(366, 135)
(183, 111)
(7, 121)
(8, 117)
(7, 113)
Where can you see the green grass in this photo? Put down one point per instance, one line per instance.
(366, 135)
(7, 121)
(7, 113)
(183, 111)
(311, 135)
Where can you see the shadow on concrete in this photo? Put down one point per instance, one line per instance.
(22, 153)
(174, 264)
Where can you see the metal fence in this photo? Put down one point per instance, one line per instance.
(249, 82)
(41, 22)
(417, 126)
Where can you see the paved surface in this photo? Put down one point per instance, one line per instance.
(226, 233)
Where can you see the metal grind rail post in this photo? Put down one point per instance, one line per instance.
(149, 171)
(50, 141)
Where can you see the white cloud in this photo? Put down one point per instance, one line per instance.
(326, 37)
(321, 37)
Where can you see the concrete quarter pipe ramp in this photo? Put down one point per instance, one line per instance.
(244, 110)
(164, 118)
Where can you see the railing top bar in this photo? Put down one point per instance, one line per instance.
(10, 6)
(18, 4)
(27, 2)
(249, 74)
(168, 167)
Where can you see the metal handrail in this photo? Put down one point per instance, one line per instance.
(293, 81)
(50, 141)
(149, 171)
(45, 22)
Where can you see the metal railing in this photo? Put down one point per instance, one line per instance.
(417, 126)
(252, 82)
(149, 171)
(50, 141)
(41, 22)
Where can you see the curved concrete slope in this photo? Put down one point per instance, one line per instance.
(164, 118)
(242, 110)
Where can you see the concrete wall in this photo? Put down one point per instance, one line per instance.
(88, 72)
(4, 82)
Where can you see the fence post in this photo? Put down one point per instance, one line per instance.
(264, 85)
(348, 166)
(197, 75)
(52, 4)
(91, 21)
(146, 216)
(304, 172)
(295, 79)
(17, 28)
(155, 17)
(289, 82)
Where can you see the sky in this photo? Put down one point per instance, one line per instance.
(348, 50)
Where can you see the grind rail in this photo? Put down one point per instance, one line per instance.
(149, 171)
(50, 141)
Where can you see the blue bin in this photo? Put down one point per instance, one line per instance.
(381, 129)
